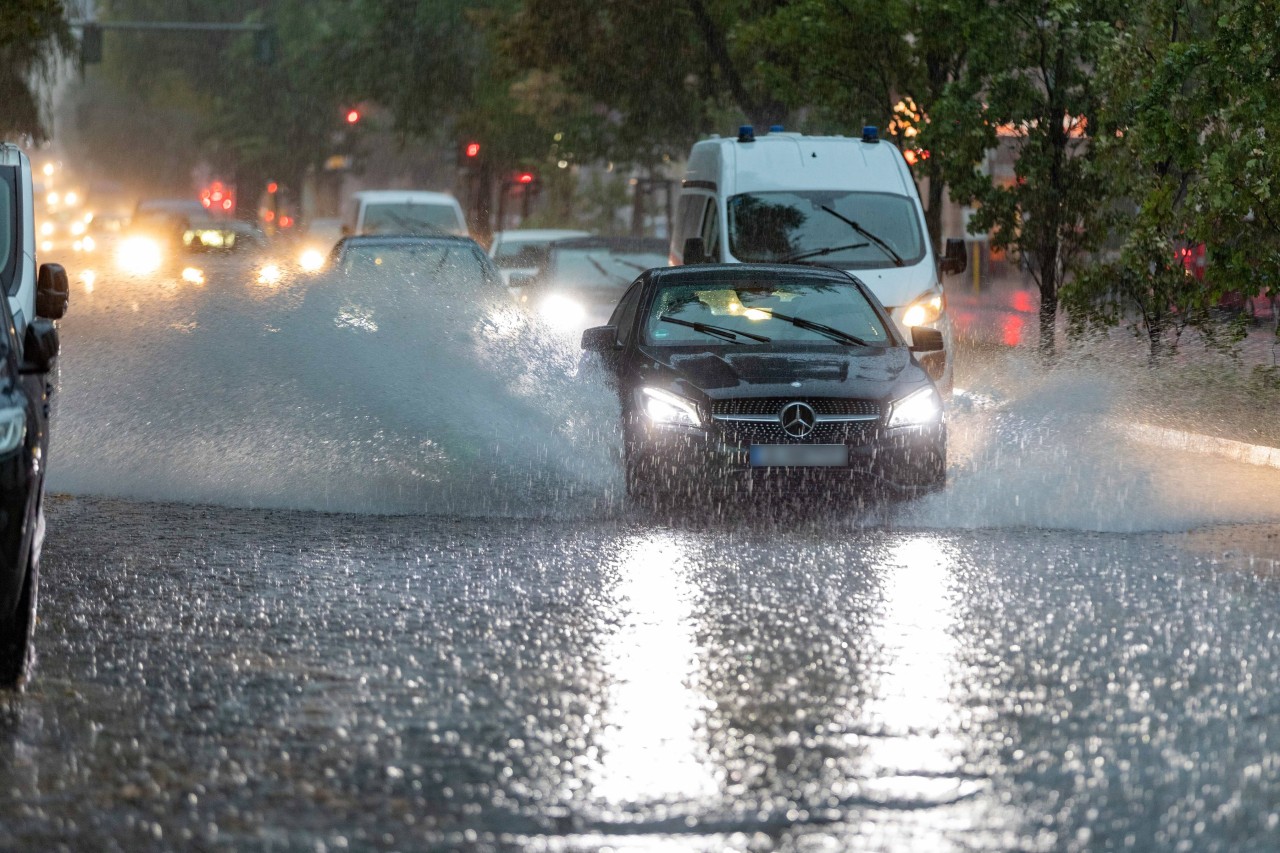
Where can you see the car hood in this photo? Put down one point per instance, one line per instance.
(865, 373)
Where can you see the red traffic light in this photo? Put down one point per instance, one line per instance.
(524, 178)
(273, 187)
(353, 116)
(473, 149)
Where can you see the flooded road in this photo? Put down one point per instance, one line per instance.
(289, 605)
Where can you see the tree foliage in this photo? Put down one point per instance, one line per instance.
(33, 36)
(1028, 85)
(1183, 147)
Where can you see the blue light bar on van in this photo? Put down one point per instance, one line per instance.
(746, 133)
(776, 128)
(870, 134)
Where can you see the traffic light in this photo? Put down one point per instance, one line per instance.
(353, 116)
(525, 178)
(468, 154)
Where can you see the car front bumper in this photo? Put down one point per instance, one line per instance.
(904, 459)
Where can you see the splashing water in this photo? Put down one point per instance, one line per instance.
(390, 394)
(383, 394)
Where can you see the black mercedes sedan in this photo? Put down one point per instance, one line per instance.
(777, 378)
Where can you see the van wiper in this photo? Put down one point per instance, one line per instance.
(816, 253)
(715, 331)
(820, 328)
(881, 244)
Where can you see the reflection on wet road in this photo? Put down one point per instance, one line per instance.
(229, 679)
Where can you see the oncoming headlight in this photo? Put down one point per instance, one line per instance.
(920, 408)
(923, 311)
(667, 409)
(139, 256)
(311, 260)
(562, 311)
(13, 428)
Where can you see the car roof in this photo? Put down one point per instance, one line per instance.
(416, 196)
(171, 205)
(614, 244)
(695, 273)
(538, 234)
(403, 239)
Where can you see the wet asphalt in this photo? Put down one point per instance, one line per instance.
(229, 679)
(1072, 648)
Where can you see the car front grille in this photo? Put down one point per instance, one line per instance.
(763, 406)
(761, 432)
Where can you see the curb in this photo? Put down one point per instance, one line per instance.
(1173, 439)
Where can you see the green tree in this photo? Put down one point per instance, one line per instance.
(1029, 83)
(1184, 146)
(33, 36)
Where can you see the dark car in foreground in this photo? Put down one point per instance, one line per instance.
(769, 377)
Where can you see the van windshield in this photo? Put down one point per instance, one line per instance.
(773, 226)
(409, 218)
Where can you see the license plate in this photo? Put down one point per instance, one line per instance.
(799, 455)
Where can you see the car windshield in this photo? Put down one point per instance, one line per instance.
(748, 306)
(586, 269)
(433, 260)
(409, 218)
(774, 226)
(517, 255)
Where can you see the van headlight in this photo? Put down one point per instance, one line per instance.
(920, 408)
(13, 428)
(666, 409)
(923, 311)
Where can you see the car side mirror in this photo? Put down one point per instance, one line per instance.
(695, 251)
(522, 279)
(52, 291)
(601, 339)
(924, 339)
(956, 257)
(40, 346)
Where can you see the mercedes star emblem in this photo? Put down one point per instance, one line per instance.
(797, 419)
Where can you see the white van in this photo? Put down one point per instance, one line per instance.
(830, 200)
(404, 212)
(32, 292)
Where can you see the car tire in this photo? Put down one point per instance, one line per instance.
(16, 648)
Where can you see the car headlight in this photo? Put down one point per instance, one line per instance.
(562, 311)
(920, 408)
(667, 409)
(311, 260)
(13, 428)
(923, 311)
(139, 256)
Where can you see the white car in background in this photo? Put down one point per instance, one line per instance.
(523, 250)
(403, 212)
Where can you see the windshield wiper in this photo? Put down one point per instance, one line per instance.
(715, 331)
(881, 244)
(800, 256)
(820, 328)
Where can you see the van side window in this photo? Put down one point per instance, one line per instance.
(711, 230)
(624, 316)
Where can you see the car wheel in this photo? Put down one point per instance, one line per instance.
(16, 633)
